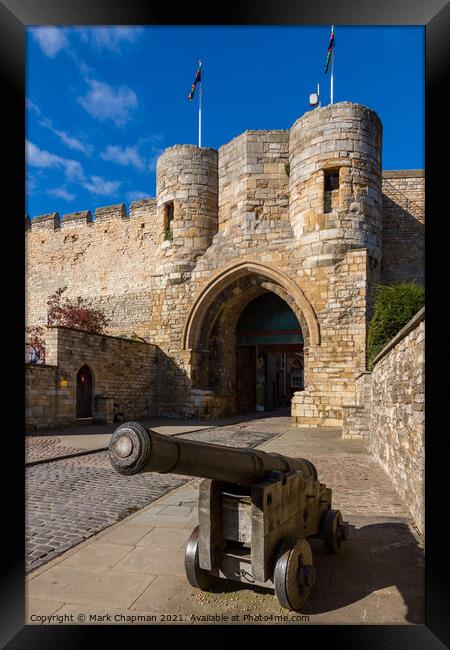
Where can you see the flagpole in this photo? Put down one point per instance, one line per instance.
(200, 108)
(332, 71)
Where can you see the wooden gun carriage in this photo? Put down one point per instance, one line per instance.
(256, 510)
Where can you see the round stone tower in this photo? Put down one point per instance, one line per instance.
(335, 183)
(187, 187)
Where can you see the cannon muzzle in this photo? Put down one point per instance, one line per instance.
(134, 449)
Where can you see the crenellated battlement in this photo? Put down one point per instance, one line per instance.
(76, 219)
(111, 212)
(46, 222)
(108, 213)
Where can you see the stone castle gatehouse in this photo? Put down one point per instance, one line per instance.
(252, 270)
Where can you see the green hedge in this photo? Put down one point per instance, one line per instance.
(395, 305)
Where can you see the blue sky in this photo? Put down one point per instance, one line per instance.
(104, 102)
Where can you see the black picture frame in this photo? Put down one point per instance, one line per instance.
(15, 16)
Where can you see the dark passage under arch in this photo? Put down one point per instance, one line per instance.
(269, 351)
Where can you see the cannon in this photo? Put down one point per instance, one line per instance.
(256, 510)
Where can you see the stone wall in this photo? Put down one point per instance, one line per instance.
(258, 202)
(346, 142)
(398, 414)
(186, 177)
(123, 378)
(403, 226)
(109, 260)
(332, 367)
(41, 396)
(356, 418)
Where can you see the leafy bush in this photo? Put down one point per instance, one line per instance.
(395, 305)
(35, 342)
(77, 314)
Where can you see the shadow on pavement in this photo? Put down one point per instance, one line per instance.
(376, 557)
(89, 429)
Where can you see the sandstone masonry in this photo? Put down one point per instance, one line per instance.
(389, 414)
(398, 414)
(123, 374)
(305, 213)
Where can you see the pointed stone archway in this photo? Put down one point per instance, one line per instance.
(209, 335)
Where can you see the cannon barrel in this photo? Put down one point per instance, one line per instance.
(134, 449)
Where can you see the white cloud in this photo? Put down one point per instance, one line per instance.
(98, 185)
(36, 157)
(30, 185)
(50, 39)
(68, 140)
(73, 143)
(73, 170)
(109, 38)
(39, 158)
(106, 102)
(61, 193)
(124, 156)
(136, 196)
(32, 106)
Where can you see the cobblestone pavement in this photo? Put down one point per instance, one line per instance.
(68, 501)
(136, 568)
(43, 448)
(247, 434)
(360, 485)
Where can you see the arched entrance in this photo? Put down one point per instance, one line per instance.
(211, 337)
(269, 345)
(84, 392)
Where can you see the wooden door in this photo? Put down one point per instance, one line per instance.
(84, 393)
(245, 379)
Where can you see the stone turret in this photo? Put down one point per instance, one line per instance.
(335, 183)
(186, 186)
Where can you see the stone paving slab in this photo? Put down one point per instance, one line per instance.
(377, 578)
(98, 556)
(70, 500)
(166, 538)
(94, 586)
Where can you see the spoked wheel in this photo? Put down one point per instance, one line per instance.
(334, 531)
(294, 574)
(197, 577)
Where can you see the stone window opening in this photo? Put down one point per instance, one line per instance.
(168, 220)
(331, 190)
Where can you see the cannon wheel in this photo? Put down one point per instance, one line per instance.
(294, 574)
(333, 531)
(196, 576)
